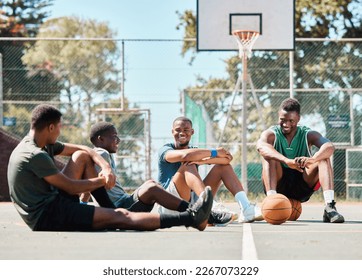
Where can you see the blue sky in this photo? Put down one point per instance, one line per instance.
(131, 18)
(155, 72)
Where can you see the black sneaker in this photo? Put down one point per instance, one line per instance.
(200, 210)
(220, 219)
(331, 215)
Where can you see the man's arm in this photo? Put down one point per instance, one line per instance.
(266, 149)
(200, 156)
(326, 149)
(74, 187)
(106, 172)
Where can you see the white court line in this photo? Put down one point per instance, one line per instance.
(248, 251)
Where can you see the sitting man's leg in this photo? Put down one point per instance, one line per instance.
(149, 193)
(186, 181)
(195, 216)
(225, 174)
(65, 213)
(323, 172)
(81, 166)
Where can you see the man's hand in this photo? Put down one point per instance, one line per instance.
(304, 162)
(222, 153)
(294, 165)
(109, 177)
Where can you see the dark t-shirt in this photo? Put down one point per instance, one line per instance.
(28, 165)
(166, 169)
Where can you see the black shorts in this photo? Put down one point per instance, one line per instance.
(292, 185)
(65, 213)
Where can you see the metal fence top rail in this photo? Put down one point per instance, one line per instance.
(90, 39)
(163, 40)
(279, 90)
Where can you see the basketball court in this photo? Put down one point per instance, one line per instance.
(308, 238)
(242, 26)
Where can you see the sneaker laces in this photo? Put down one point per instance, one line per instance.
(331, 206)
(219, 207)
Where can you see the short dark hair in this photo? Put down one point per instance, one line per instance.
(182, 119)
(290, 105)
(99, 129)
(43, 115)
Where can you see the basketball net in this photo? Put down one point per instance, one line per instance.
(246, 40)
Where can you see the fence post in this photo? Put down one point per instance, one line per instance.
(291, 74)
(351, 116)
(1, 92)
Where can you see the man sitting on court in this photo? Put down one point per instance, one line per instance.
(290, 168)
(178, 172)
(104, 137)
(48, 199)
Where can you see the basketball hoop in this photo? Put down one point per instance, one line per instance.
(246, 40)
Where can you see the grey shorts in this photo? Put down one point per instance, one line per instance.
(171, 188)
(132, 203)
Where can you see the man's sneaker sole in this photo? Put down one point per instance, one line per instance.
(219, 219)
(220, 225)
(201, 215)
(335, 219)
(256, 219)
(331, 215)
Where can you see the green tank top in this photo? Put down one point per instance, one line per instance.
(297, 148)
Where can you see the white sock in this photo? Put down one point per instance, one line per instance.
(242, 199)
(271, 192)
(328, 196)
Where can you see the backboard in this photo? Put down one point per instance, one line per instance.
(273, 19)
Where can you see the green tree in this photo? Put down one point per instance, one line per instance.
(86, 68)
(22, 18)
(86, 65)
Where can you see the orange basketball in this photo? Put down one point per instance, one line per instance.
(276, 209)
(296, 209)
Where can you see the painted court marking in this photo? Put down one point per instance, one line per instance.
(248, 251)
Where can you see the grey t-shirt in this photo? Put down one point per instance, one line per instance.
(117, 194)
(28, 165)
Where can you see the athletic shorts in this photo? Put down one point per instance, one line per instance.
(132, 203)
(65, 213)
(292, 185)
(171, 188)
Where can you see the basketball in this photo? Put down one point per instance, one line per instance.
(296, 209)
(276, 209)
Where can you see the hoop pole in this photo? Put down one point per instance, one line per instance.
(244, 150)
(245, 40)
(257, 103)
(236, 89)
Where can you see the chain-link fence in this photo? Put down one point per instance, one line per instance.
(89, 80)
(327, 80)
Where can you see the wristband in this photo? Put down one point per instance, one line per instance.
(83, 202)
(213, 153)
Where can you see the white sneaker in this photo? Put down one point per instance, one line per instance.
(251, 214)
(219, 207)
